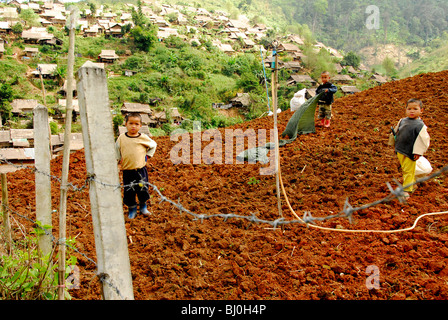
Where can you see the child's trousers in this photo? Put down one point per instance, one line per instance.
(324, 111)
(130, 193)
(408, 169)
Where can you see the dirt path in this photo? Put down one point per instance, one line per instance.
(18, 53)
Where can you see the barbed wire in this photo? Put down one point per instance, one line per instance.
(347, 211)
(53, 177)
(103, 277)
(308, 218)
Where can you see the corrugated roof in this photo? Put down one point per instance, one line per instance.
(136, 107)
(17, 153)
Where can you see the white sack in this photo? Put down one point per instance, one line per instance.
(422, 167)
(297, 100)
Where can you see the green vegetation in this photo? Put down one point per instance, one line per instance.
(421, 25)
(351, 59)
(193, 76)
(27, 275)
(253, 180)
(342, 24)
(433, 61)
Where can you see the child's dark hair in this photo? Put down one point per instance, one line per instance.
(132, 115)
(419, 102)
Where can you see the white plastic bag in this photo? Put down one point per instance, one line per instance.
(270, 113)
(422, 167)
(297, 100)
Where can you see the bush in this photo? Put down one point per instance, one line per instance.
(23, 278)
(117, 121)
(175, 42)
(135, 62)
(166, 127)
(27, 275)
(54, 127)
(222, 121)
(17, 28)
(247, 82)
(144, 39)
(156, 132)
(351, 59)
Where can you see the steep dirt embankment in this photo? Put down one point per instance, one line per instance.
(174, 256)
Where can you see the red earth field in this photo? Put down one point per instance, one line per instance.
(174, 256)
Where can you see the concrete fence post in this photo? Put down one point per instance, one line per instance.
(105, 197)
(42, 161)
(5, 211)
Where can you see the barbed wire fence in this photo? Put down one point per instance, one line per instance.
(307, 219)
(101, 276)
(347, 212)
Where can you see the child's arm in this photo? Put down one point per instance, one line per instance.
(117, 150)
(393, 134)
(118, 154)
(421, 144)
(332, 89)
(151, 148)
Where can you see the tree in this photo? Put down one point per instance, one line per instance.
(389, 66)
(248, 82)
(117, 121)
(126, 28)
(92, 8)
(144, 39)
(138, 17)
(17, 28)
(172, 17)
(60, 73)
(6, 97)
(351, 59)
(319, 8)
(245, 5)
(29, 17)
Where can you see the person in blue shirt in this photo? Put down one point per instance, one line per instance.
(326, 100)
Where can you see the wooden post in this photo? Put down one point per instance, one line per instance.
(66, 158)
(42, 175)
(277, 153)
(5, 205)
(105, 194)
(43, 87)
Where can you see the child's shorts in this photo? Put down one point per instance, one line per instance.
(324, 111)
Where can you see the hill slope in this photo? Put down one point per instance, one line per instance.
(174, 256)
(435, 61)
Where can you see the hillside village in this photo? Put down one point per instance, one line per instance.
(190, 24)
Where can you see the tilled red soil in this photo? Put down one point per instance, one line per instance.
(173, 256)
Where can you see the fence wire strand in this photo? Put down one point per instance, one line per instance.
(308, 219)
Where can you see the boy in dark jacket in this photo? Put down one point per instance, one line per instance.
(326, 99)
